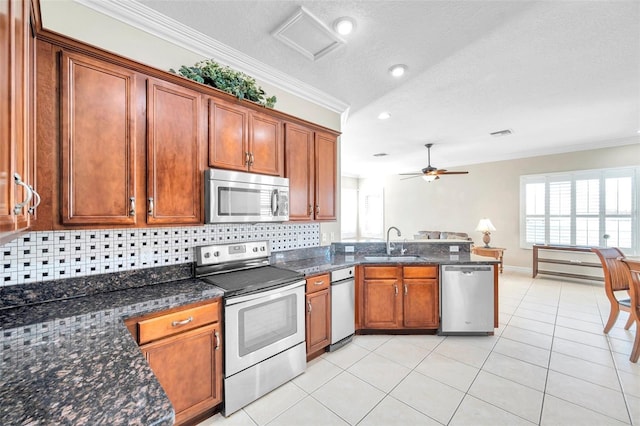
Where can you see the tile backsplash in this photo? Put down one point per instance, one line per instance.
(44, 256)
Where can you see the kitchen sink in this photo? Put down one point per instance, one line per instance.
(392, 258)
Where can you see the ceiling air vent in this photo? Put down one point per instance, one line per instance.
(308, 35)
(505, 132)
(380, 154)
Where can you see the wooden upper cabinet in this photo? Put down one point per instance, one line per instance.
(326, 176)
(265, 144)
(15, 152)
(174, 141)
(97, 142)
(299, 168)
(228, 136)
(244, 140)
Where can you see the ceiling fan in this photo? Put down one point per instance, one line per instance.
(431, 173)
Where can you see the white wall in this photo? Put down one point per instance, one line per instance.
(456, 203)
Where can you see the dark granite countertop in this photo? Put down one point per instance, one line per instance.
(72, 361)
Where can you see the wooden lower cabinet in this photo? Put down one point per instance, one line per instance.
(396, 297)
(184, 350)
(318, 314)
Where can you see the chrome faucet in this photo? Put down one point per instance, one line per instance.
(388, 243)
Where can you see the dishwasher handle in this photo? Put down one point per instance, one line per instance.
(467, 269)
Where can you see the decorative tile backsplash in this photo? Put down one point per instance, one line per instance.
(43, 256)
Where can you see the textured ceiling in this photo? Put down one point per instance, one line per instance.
(563, 75)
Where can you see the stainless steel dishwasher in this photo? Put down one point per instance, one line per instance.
(466, 299)
(343, 300)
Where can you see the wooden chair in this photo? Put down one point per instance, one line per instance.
(633, 269)
(616, 278)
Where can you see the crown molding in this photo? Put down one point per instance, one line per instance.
(150, 21)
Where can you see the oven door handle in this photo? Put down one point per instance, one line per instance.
(263, 294)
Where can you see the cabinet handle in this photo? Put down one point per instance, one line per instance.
(132, 206)
(309, 305)
(252, 159)
(395, 286)
(217, 336)
(183, 322)
(19, 206)
(33, 208)
(310, 209)
(247, 158)
(406, 290)
(318, 282)
(150, 210)
(317, 209)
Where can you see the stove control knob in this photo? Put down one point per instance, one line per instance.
(255, 249)
(216, 253)
(262, 248)
(207, 255)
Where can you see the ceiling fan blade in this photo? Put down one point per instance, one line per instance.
(411, 177)
(411, 174)
(444, 172)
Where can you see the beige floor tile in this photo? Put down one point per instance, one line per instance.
(426, 341)
(535, 315)
(541, 300)
(597, 340)
(460, 351)
(308, 412)
(630, 383)
(483, 342)
(585, 370)
(522, 351)
(620, 346)
(318, 372)
(348, 396)
(532, 325)
(239, 418)
(527, 336)
(557, 412)
(624, 364)
(587, 395)
(430, 397)
(634, 409)
(586, 352)
(346, 356)
(274, 403)
(537, 307)
(390, 411)
(448, 371)
(622, 334)
(583, 316)
(513, 397)
(581, 325)
(371, 342)
(379, 371)
(402, 352)
(516, 370)
(473, 411)
(587, 308)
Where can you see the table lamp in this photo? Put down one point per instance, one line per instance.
(485, 226)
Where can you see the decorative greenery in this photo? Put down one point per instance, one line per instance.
(228, 80)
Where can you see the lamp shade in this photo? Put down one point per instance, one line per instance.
(485, 225)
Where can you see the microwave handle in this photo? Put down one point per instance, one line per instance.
(274, 202)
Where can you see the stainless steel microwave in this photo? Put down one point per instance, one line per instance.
(234, 197)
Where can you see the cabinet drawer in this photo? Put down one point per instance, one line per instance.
(380, 272)
(318, 282)
(177, 322)
(420, 272)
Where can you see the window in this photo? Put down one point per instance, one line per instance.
(585, 208)
(371, 212)
(349, 213)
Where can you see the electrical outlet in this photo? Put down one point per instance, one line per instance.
(454, 249)
(324, 237)
(349, 249)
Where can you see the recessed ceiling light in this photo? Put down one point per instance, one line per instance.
(383, 116)
(398, 70)
(380, 154)
(344, 25)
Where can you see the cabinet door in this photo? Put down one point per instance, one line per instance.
(189, 368)
(299, 168)
(174, 140)
(14, 108)
(420, 308)
(97, 143)
(382, 304)
(228, 136)
(326, 176)
(265, 144)
(318, 320)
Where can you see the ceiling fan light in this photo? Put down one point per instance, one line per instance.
(429, 178)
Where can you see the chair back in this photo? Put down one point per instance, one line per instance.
(615, 272)
(633, 271)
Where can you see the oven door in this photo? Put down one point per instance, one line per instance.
(260, 325)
